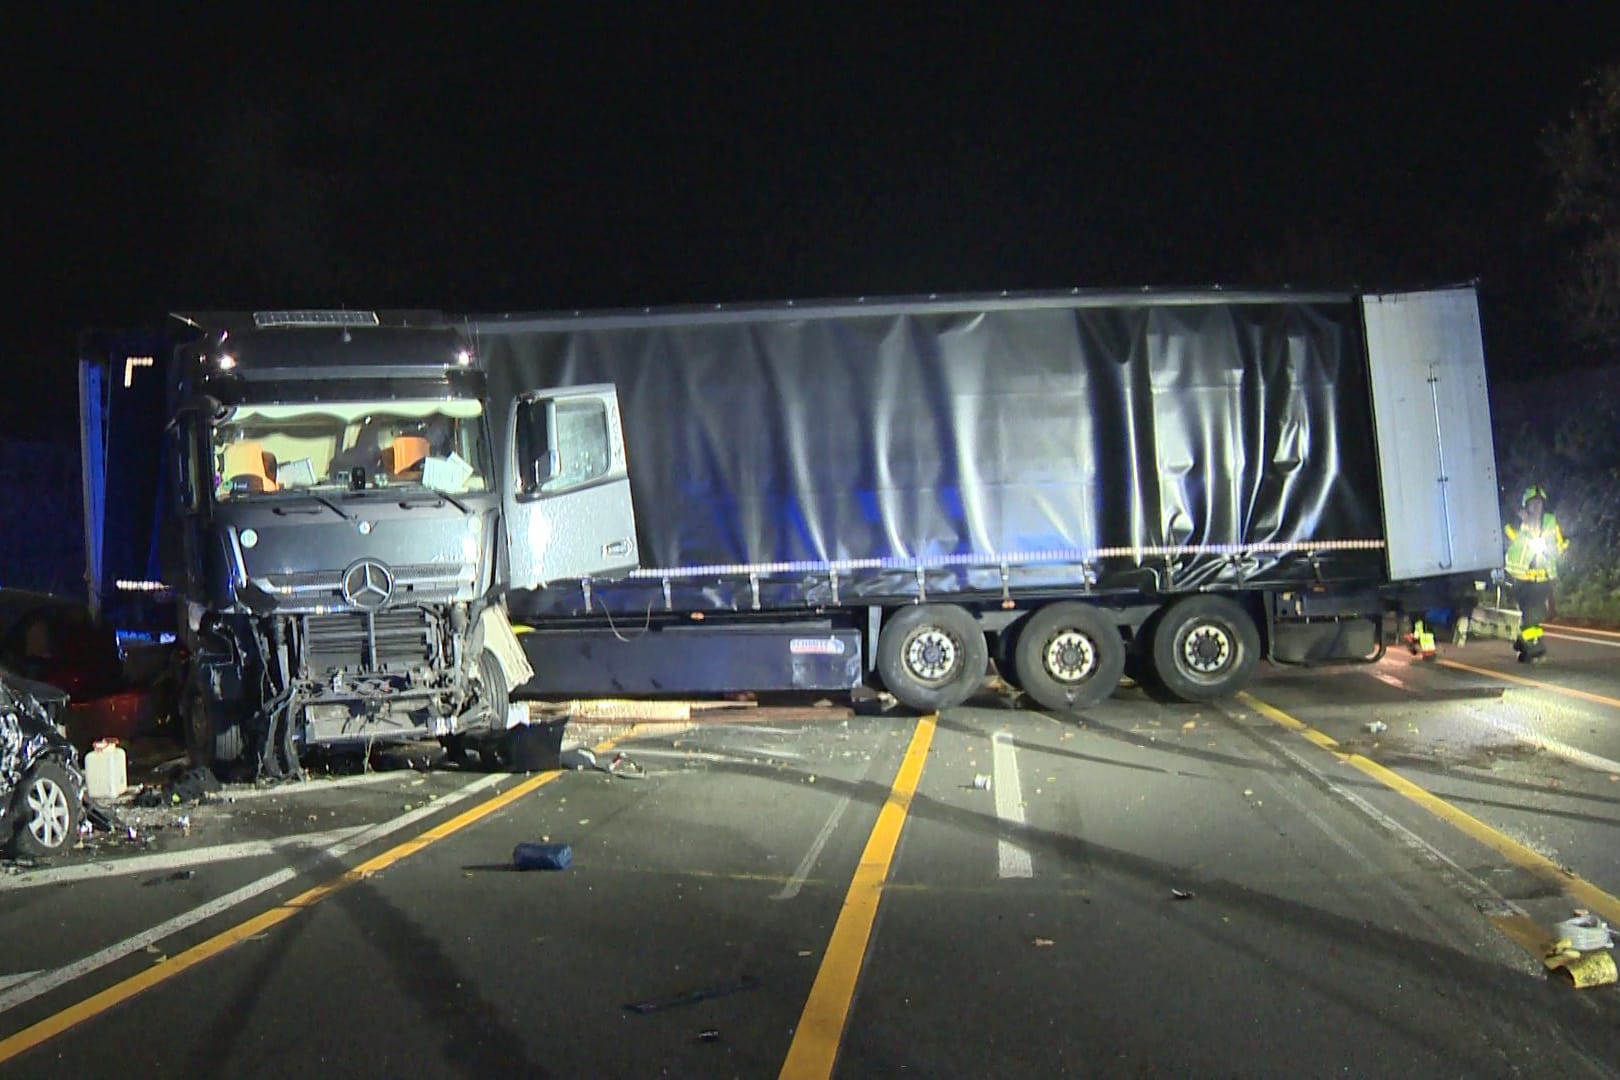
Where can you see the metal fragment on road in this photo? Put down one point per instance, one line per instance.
(691, 997)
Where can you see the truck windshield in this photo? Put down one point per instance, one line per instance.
(262, 450)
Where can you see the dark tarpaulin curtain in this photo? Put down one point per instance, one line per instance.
(981, 434)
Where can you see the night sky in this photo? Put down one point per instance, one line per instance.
(325, 156)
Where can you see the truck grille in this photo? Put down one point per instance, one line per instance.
(357, 641)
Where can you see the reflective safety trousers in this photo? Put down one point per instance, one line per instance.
(1533, 550)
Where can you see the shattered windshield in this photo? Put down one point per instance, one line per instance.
(337, 446)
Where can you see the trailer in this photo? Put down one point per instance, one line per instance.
(1062, 485)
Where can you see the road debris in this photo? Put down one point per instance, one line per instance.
(692, 997)
(709, 1035)
(1044, 943)
(1182, 894)
(981, 782)
(178, 875)
(529, 856)
(1585, 932)
(1376, 727)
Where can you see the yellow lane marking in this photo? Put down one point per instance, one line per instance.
(1536, 684)
(164, 970)
(1580, 630)
(826, 1011)
(1572, 885)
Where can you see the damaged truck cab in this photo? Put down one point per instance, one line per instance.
(345, 531)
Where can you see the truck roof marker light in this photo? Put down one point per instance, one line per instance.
(226, 361)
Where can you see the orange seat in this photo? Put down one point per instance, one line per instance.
(249, 461)
(409, 453)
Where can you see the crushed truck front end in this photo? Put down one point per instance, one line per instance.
(338, 527)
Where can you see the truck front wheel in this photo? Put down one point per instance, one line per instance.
(211, 739)
(1069, 656)
(1204, 648)
(932, 656)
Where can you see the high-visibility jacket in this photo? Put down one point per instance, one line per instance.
(1533, 550)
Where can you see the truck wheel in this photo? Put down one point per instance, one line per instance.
(1204, 648)
(47, 812)
(1069, 656)
(210, 742)
(932, 656)
(495, 694)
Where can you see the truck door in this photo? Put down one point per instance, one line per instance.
(567, 489)
(1437, 463)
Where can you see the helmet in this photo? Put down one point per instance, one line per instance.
(1534, 491)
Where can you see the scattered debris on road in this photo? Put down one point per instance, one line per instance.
(1044, 943)
(692, 997)
(1182, 894)
(1376, 727)
(530, 856)
(981, 782)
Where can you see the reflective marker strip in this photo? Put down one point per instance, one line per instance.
(161, 972)
(1577, 888)
(821, 1025)
(1056, 556)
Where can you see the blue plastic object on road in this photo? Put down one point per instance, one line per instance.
(542, 857)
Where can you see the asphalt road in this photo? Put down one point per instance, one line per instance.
(1266, 887)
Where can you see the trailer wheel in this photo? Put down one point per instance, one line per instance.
(1204, 648)
(47, 812)
(932, 656)
(1069, 656)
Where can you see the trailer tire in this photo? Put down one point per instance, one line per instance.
(46, 812)
(1204, 648)
(1069, 656)
(932, 656)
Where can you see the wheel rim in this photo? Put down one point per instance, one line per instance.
(1207, 650)
(932, 655)
(48, 812)
(1070, 657)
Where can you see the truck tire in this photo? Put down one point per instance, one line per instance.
(210, 742)
(46, 812)
(1069, 656)
(932, 656)
(1203, 648)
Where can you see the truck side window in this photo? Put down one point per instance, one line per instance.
(583, 448)
(582, 436)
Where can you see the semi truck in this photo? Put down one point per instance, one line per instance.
(899, 493)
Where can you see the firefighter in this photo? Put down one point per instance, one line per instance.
(1532, 563)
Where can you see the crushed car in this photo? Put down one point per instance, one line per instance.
(42, 790)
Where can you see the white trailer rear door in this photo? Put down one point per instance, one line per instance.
(1435, 455)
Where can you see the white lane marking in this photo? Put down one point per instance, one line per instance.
(811, 857)
(1530, 737)
(1582, 640)
(1013, 859)
(174, 860)
(1474, 887)
(307, 787)
(47, 981)
(7, 981)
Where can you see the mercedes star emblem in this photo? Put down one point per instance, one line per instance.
(368, 584)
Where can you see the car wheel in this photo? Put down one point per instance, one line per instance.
(47, 810)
